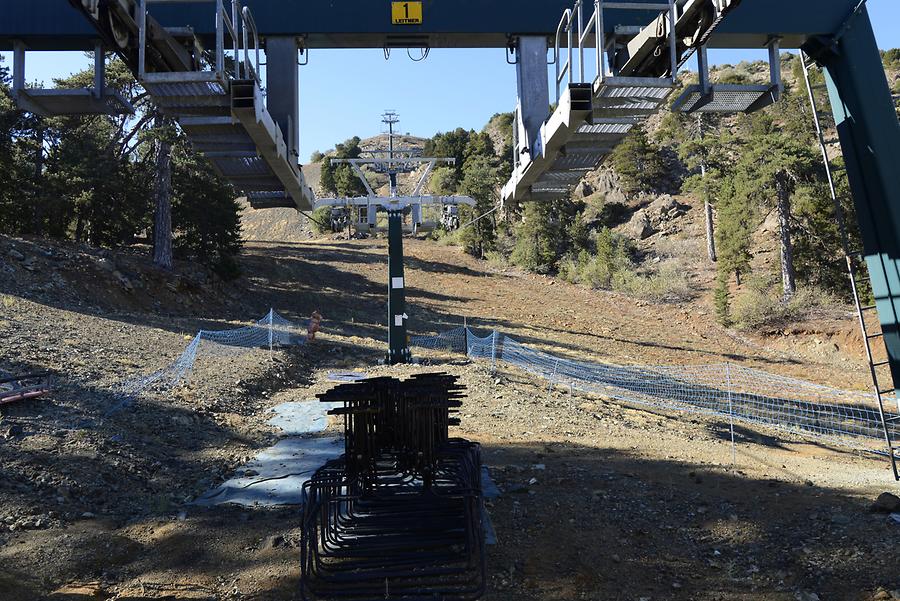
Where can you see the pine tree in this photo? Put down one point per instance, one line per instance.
(702, 150)
(162, 220)
(736, 223)
(451, 144)
(162, 193)
(637, 162)
(480, 182)
(340, 179)
(777, 158)
(443, 181)
(545, 235)
(205, 213)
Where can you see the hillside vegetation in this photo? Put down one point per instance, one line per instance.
(734, 207)
(729, 208)
(94, 179)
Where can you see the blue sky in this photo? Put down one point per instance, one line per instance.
(343, 92)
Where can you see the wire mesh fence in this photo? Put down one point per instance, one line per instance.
(721, 389)
(269, 332)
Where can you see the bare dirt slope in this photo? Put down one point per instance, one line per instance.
(286, 225)
(601, 501)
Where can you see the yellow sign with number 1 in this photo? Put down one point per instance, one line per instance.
(406, 13)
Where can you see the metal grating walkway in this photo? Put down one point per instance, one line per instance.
(222, 111)
(588, 124)
(227, 122)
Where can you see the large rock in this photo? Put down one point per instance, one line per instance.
(663, 204)
(640, 226)
(583, 190)
(664, 209)
(886, 503)
(123, 280)
(606, 183)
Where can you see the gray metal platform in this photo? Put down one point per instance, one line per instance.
(726, 98)
(81, 101)
(51, 102)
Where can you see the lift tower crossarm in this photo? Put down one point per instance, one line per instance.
(401, 202)
(389, 164)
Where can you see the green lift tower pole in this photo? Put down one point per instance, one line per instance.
(398, 347)
(870, 138)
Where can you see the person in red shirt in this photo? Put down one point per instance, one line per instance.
(313, 325)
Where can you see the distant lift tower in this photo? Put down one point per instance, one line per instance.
(394, 161)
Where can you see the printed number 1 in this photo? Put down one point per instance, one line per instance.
(406, 8)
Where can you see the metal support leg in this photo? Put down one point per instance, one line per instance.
(703, 69)
(99, 70)
(416, 217)
(533, 88)
(18, 80)
(18, 66)
(870, 136)
(283, 86)
(398, 349)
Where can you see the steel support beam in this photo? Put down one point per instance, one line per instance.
(57, 25)
(283, 90)
(18, 66)
(532, 87)
(398, 347)
(870, 136)
(99, 70)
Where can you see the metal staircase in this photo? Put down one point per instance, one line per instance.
(593, 116)
(860, 274)
(223, 113)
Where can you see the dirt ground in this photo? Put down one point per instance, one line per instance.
(601, 501)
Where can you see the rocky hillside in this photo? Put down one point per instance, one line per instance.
(665, 226)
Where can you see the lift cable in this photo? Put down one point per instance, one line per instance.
(313, 219)
(480, 217)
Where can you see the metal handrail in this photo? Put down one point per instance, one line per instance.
(565, 21)
(223, 22)
(235, 36)
(515, 137)
(573, 18)
(239, 24)
(595, 23)
(250, 23)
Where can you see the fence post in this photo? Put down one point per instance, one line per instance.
(465, 336)
(730, 414)
(552, 376)
(494, 351)
(271, 316)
